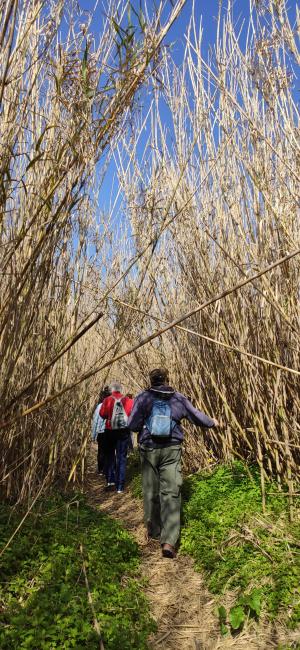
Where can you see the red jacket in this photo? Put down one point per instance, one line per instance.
(107, 407)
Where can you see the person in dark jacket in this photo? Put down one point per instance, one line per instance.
(98, 427)
(116, 440)
(161, 457)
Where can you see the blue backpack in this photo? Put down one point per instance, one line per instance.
(160, 423)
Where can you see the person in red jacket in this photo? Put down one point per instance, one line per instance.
(115, 410)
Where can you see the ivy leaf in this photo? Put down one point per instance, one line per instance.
(253, 600)
(236, 617)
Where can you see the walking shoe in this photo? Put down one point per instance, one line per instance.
(110, 486)
(150, 532)
(168, 551)
(120, 491)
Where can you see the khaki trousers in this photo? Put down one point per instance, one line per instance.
(162, 480)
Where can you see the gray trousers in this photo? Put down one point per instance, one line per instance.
(162, 480)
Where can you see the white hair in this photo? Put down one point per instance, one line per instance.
(116, 387)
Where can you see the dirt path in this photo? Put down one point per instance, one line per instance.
(179, 601)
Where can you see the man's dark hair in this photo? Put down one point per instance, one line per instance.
(104, 393)
(158, 376)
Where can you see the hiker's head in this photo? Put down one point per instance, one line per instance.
(104, 393)
(158, 376)
(116, 387)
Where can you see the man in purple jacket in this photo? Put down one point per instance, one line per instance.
(161, 455)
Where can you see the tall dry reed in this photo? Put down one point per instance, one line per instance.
(65, 95)
(223, 174)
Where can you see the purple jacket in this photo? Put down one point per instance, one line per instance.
(180, 407)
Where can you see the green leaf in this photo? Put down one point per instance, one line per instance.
(89, 93)
(141, 17)
(129, 15)
(236, 617)
(84, 63)
(224, 630)
(117, 28)
(39, 141)
(253, 600)
(222, 614)
(34, 160)
(58, 85)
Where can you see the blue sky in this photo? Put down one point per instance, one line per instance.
(207, 10)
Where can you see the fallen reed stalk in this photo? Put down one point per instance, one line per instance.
(90, 599)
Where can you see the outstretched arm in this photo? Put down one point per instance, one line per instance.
(199, 418)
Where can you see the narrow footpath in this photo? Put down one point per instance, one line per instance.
(180, 604)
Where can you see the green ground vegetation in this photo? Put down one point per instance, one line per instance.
(239, 548)
(43, 596)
